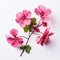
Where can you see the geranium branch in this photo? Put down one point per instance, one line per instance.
(27, 41)
(29, 38)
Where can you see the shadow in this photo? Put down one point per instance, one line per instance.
(52, 21)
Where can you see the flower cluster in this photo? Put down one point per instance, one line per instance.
(30, 25)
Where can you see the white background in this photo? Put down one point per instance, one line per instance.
(8, 10)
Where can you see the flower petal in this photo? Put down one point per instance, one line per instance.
(17, 42)
(20, 40)
(45, 18)
(25, 12)
(28, 14)
(10, 40)
(19, 14)
(42, 8)
(38, 39)
(27, 22)
(18, 20)
(50, 34)
(46, 31)
(14, 32)
(48, 11)
(37, 11)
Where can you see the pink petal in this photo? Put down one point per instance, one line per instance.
(28, 14)
(18, 42)
(42, 8)
(51, 34)
(25, 12)
(10, 40)
(22, 25)
(41, 41)
(48, 11)
(15, 44)
(37, 11)
(38, 40)
(44, 24)
(27, 22)
(46, 31)
(14, 32)
(36, 29)
(47, 41)
(19, 14)
(45, 18)
(18, 20)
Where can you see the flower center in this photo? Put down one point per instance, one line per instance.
(42, 13)
(16, 38)
(23, 17)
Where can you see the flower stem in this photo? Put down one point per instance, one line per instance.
(29, 38)
(27, 42)
(23, 37)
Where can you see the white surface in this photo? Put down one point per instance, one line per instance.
(8, 10)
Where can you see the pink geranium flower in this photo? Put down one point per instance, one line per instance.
(14, 40)
(23, 18)
(44, 39)
(43, 12)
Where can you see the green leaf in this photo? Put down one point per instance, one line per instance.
(28, 48)
(33, 21)
(26, 28)
(23, 47)
(30, 28)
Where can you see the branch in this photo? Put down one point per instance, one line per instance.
(29, 38)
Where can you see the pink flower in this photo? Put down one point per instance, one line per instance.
(14, 40)
(44, 39)
(43, 12)
(23, 18)
(44, 24)
(36, 29)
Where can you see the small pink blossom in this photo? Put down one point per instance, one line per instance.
(36, 29)
(44, 39)
(43, 12)
(44, 24)
(14, 40)
(23, 18)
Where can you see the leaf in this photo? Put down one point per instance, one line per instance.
(30, 28)
(33, 21)
(26, 28)
(23, 47)
(28, 48)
